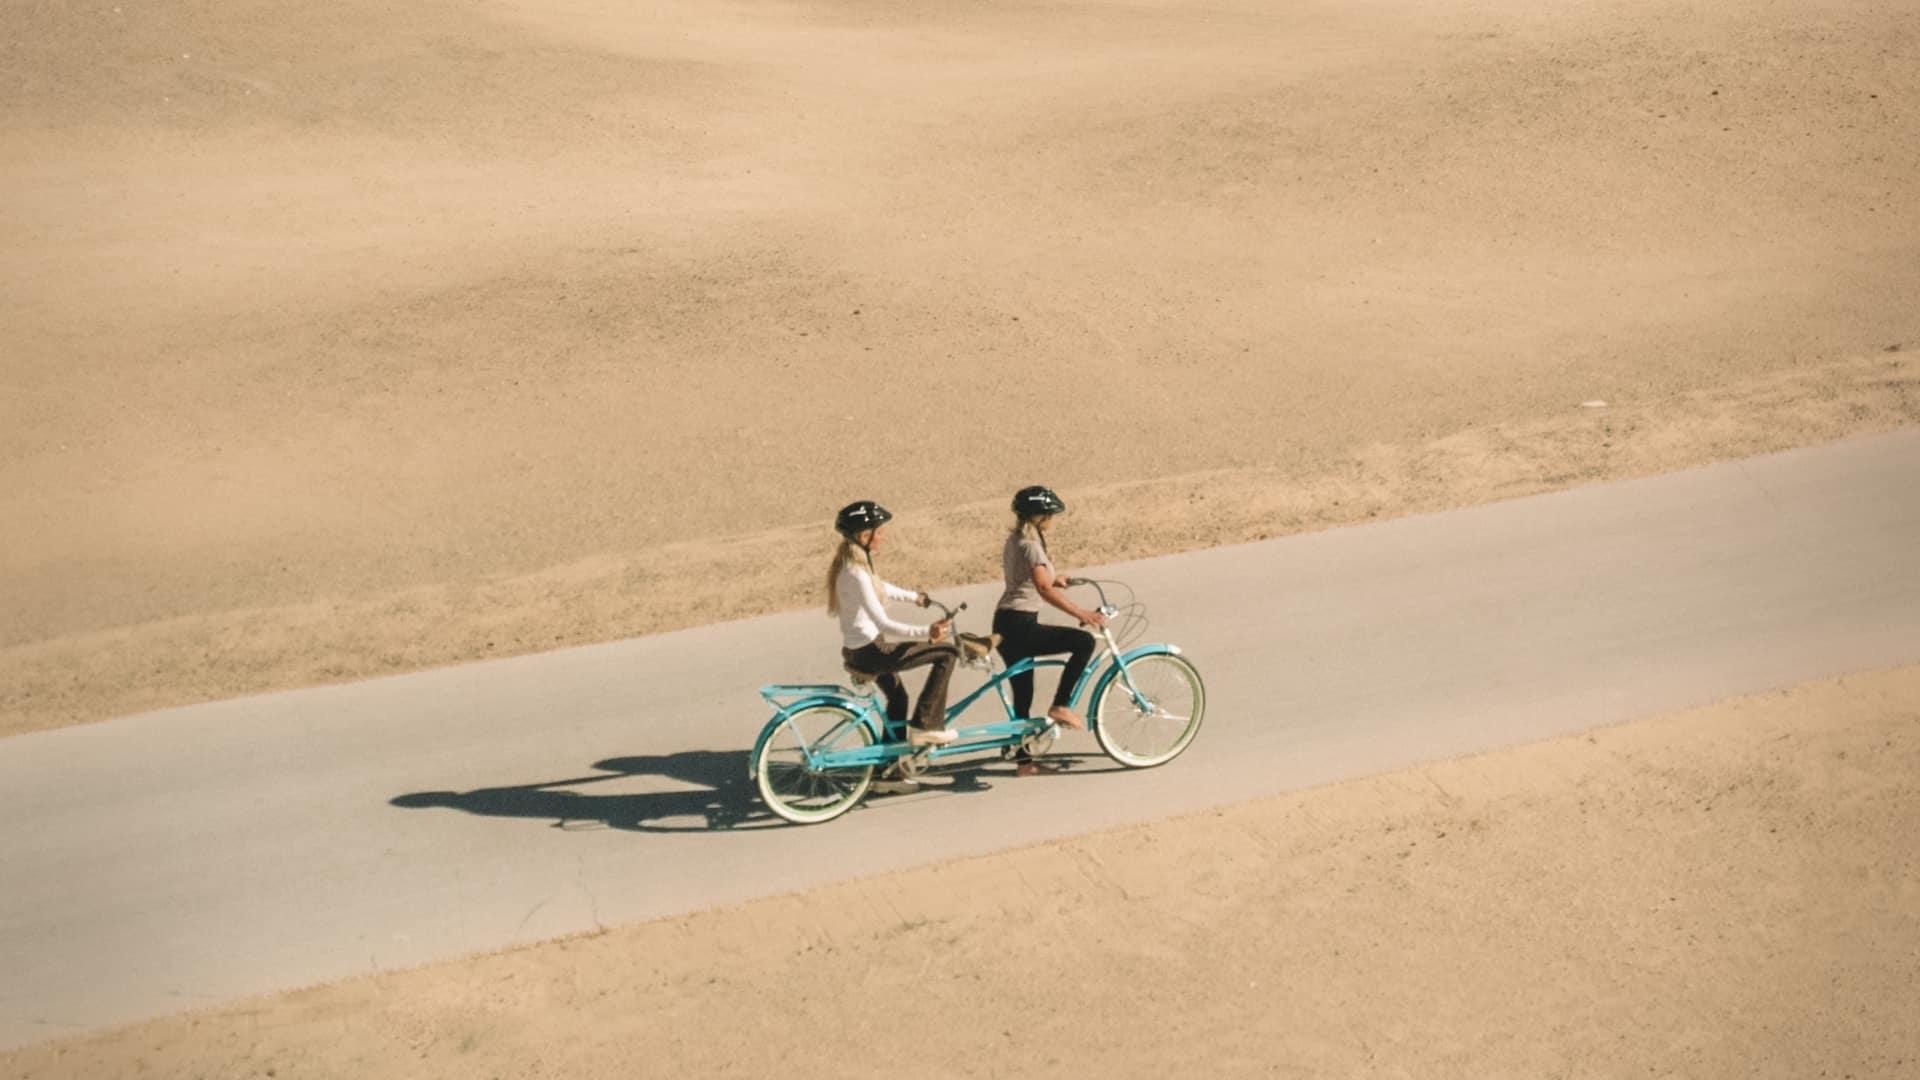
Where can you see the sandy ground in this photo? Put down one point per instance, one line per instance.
(351, 338)
(1732, 891)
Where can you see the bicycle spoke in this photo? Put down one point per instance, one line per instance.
(790, 783)
(1149, 715)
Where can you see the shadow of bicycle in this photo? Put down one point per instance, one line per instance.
(717, 796)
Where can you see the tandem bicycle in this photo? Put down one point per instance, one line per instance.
(815, 758)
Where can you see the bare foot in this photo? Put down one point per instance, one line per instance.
(1066, 718)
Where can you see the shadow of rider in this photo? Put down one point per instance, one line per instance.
(722, 797)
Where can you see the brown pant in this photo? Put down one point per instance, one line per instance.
(883, 661)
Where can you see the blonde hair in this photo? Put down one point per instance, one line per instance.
(1028, 528)
(848, 552)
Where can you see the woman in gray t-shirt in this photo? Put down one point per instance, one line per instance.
(1032, 581)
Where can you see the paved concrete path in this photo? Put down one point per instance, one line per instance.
(175, 859)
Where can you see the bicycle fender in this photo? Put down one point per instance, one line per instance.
(855, 709)
(1112, 672)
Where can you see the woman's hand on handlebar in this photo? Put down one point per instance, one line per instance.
(937, 632)
(924, 600)
(1080, 614)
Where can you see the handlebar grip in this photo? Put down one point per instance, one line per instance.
(961, 608)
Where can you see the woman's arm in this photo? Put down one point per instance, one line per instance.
(1053, 590)
(877, 611)
(904, 596)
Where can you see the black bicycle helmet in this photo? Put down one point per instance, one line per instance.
(1037, 501)
(856, 518)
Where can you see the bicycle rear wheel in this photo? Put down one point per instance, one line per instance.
(799, 792)
(1156, 727)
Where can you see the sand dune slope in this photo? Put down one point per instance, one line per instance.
(323, 321)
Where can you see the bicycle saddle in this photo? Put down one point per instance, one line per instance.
(977, 646)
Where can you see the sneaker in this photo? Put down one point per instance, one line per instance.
(894, 785)
(924, 737)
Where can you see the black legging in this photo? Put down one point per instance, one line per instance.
(1022, 635)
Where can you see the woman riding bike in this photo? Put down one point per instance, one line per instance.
(874, 643)
(1031, 580)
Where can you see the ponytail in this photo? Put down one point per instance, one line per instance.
(848, 552)
(1025, 529)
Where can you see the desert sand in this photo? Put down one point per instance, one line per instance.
(1727, 892)
(357, 338)
(345, 339)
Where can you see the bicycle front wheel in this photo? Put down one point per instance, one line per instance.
(1153, 727)
(795, 789)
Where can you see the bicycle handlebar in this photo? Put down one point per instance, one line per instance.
(1073, 581)
(1106, 607)
(946, 613)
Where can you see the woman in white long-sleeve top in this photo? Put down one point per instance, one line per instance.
(874, 642)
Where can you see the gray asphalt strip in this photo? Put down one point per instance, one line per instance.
(196, 855)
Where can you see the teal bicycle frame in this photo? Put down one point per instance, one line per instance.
(1155, 694)
(889, 738)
